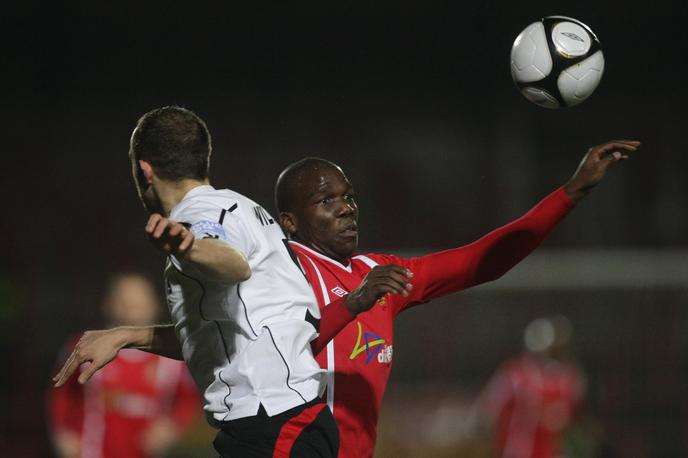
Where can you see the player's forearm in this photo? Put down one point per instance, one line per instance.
(334, 318)
(159, 339)
(218, 261)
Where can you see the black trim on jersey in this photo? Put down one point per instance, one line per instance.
(285, 364)
(313, 320)
(245, 309)
(217, 325)
(295, 259)
(224, 212)
(200, 302)
(229, 392)
(291, 252)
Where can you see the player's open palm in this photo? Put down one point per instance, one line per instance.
(95, 347)
(595, 164)
(381, 280)
(169, 236)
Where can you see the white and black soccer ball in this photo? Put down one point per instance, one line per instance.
(557, 62)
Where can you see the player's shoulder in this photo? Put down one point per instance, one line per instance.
(205, 201)
(373, 259)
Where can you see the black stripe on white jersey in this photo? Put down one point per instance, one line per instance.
(224, 212)
(217, 325)
(285, 365)
(245, 309)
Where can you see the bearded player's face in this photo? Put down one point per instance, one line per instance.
(326, 213)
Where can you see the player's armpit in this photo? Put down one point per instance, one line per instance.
(218, 261)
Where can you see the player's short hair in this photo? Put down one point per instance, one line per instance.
(289, 180)
(175, 141)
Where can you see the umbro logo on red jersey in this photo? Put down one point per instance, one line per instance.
(338, 291)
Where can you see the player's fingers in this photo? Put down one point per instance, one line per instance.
(88, 372)
(401, 279)
(394, 268)
(606, 148)
(175, 229)
(152, 222)
(67, 370)
(630, 142)
(388, 285)
(610, 159)
(62, 370)
(160, 228)
(186, 242)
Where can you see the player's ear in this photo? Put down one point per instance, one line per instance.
(289, 222)
(147, 170)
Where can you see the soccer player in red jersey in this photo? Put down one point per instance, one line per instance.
(318, 210)
(138, 405)
(533, 398)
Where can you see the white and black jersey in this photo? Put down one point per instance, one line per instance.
(246, 344)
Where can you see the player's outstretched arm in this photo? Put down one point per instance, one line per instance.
(496, 253)
(100, 347)
(594, 165)
(215, 259)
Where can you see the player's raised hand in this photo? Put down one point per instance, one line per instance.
(169, 236)
(381, 280)
(95, 347)
(595, 164)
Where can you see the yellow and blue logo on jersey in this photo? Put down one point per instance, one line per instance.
(372, 345)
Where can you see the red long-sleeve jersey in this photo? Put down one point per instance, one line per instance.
(532, 401)
(111, 413)
(359, 358)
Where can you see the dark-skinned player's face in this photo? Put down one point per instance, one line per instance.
(325, 214)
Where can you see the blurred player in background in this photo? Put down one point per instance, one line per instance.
(319, 212)
(138, 405)
(534, 398)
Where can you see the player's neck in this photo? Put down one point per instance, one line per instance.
(171, 193)
(320, 250)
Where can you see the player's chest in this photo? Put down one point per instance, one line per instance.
(130, 390)
(142, 377)
(367, 342)
(545, 387)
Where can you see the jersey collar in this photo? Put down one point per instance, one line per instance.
(193, 192)
(318, 254)
(197, 190)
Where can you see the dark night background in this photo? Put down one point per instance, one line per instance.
(416, 103)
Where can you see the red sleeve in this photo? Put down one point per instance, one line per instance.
(333, 319)
(66, 404)
(186, 406)
(486, 259)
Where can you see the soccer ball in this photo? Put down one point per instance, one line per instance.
(557, 62)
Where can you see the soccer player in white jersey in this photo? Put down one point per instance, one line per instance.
(242, 311)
